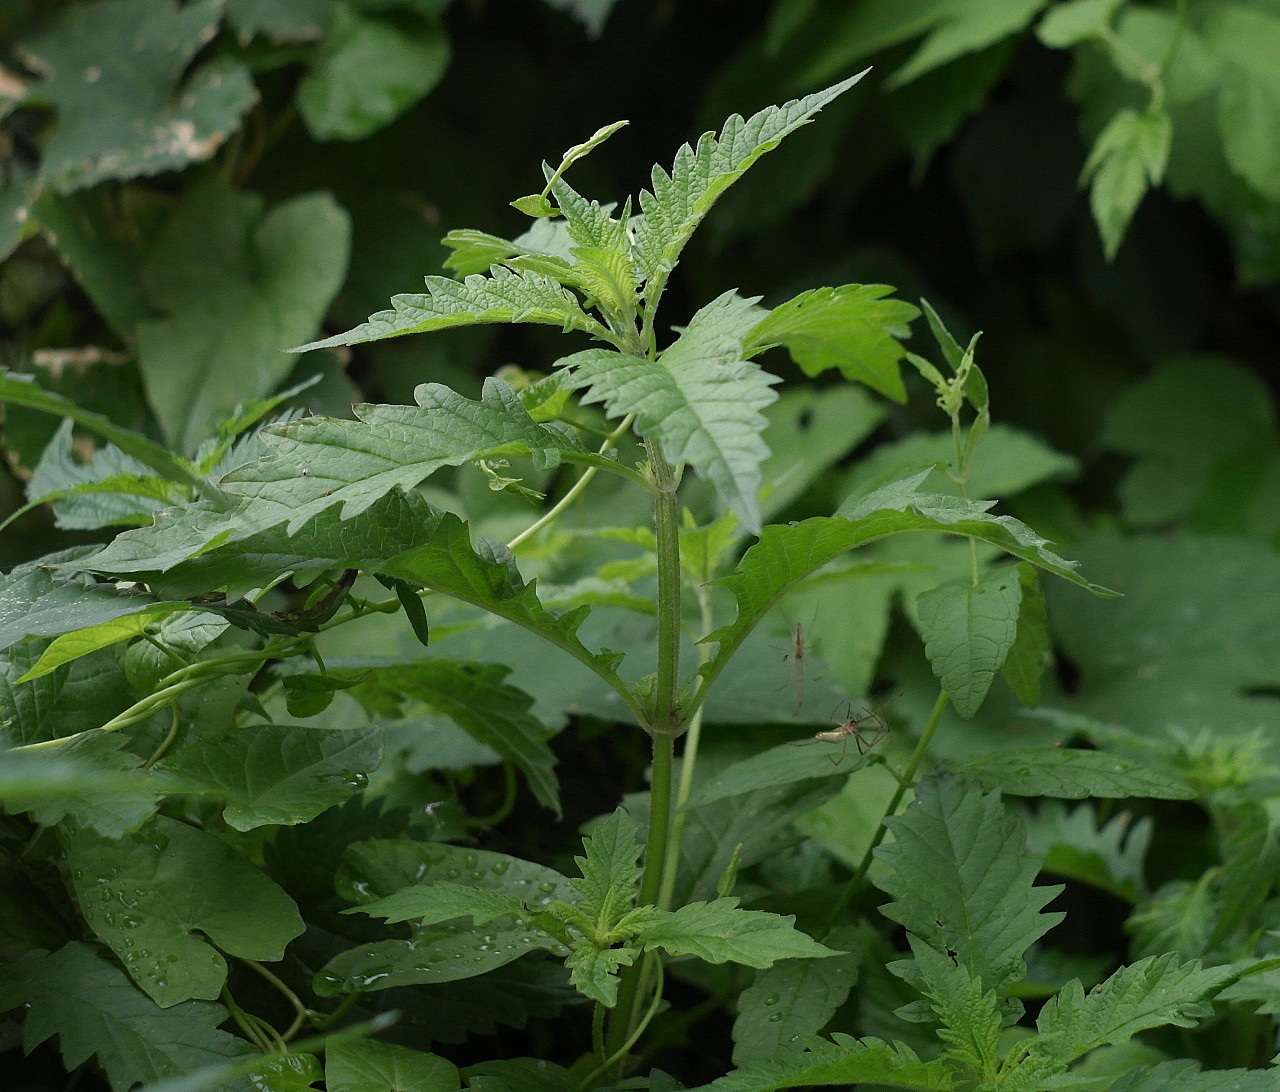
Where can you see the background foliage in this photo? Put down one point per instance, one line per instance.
(188, 189)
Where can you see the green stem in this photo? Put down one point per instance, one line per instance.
(624, 1048)
(905, 782)
(597, 1031)
(167, 742)
(509, 787)
(300, 1010)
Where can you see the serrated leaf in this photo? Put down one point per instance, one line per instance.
(979, 903)
(137, 896)
(319, 462)
(502, 296)
(80, 642)
(780, 765)
(968, 1010)
(792, 999)
(475, 697)
(610, 875)
(1069, 774)
(368, 71)
(23, 392)
(94, 1010)
(853, 328)
(700, 399)
(1074, 846)
(1028, 656)
(1153, 992)
(232, 282)
(594, 971)
(114, 72)
(719, 932)
(843, 1061)
(1183, 1075)
(968, 631)
(366, 1065)
(679, 200)
(275, 773)
(442, 900)
(1128, 158)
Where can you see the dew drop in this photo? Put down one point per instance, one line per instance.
(775, 1017)
(772, 999)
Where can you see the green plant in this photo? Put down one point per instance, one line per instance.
(149, 686)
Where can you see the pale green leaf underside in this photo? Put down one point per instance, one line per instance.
(968, 631)
(700, 399)
(80, 642)
(680, 200)
(979, 902)
(719, 932)
(843, 1061)
(503, 295)
(1071, 775)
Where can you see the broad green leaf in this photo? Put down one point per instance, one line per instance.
(792, 999)
(853, 328)
(232, 283)
(114, 73)
(80, 642)
(1076, 21)
(1151, 993)
(1111, 856)
(979, 902)
(311, 695)
(719, 932)
(1128, 158)
(1070, 774)
(95, 1011)
(437, 953)
(802, 760)
(35, 601)
(275, 773)
(94, 779)
(368, 71)
(594, 971)
(968, 1010)
(443, 900)
(843, 1061)
(137, 896)
(23, 392)
(679, 200)
(968, 631)
(366, 1065)
(1184, 1075)
(475, 698)
(1246, 38)
(1028, 656)
(501, 296)
(700, 399)
(610, 875)
(786, 555)
(951, 28)
(319, 462)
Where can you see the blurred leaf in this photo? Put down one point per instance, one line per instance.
(1110, 857)
(114, 70)
(280, 20)
(1069, 774)
(1184, 1075)
(366, 1065)
(274, 773)
(592, 14)
(137, 896)
(235, 285)
(1128, 158)
(853, 328)
(368, 71)
(968, 631)
(1030, 652)
(1076, 21)
(93, 1008)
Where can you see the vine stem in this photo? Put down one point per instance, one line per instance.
(904, 783)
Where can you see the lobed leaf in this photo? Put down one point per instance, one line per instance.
(594, 971)
(137, 896)
(94, 1010)
(980, 902)
(610, 880)
(1074, 845)
(968, 1010)
(719, 932)
(503, 295)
